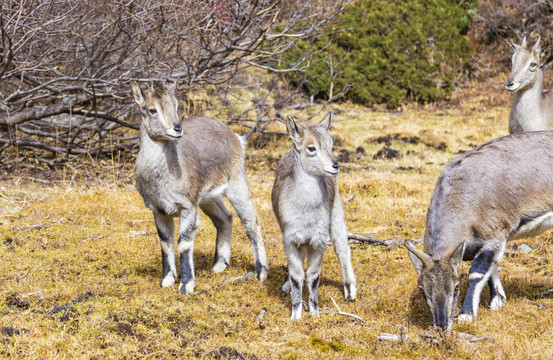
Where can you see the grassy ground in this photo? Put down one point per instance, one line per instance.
(80, 263)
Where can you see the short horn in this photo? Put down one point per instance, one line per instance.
(446, 259)
(424, 257)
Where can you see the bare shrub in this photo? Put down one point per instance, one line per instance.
(65, 65)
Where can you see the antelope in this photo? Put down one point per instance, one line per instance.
(183, 165)
(307, 205)
(532, 108)
(500, 191)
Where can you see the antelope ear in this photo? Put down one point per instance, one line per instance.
(172, 88)
(294, 130)
(327, 121)
(137, 93)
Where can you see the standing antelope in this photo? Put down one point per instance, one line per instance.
(183, 165)
(532, 108)
(307, 205)
(502, 190)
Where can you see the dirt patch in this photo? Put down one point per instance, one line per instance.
(428, 137)
(386, 153)
(123, 329)
(17, 300)
(346, 156)
(227, 352)
(387, 139)
(12, 331)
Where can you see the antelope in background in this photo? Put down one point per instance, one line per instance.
(502, 190)
(183, 165)
(532, 108)
(307, 205)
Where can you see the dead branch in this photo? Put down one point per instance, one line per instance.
(340, 312)
(390, 243)
(65, 67)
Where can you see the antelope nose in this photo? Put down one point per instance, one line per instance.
(509, 83)
(336, 166)
(177, 127)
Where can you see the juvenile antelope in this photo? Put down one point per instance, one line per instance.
(183, 165)
(502, 190)
(532, 108)
(307, 205)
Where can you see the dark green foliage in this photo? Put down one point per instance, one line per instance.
(391, 51)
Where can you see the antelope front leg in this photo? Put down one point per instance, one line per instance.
(482, 268)
(166, 232)
(339, 236)
(313, 276)
(296, 275)
(188, 225)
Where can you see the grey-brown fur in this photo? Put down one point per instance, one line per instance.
(532, 108)
(307, 205)
(183, 165)
(500, 191)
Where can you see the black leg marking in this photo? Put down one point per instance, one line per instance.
(315, 284)
(185, 267)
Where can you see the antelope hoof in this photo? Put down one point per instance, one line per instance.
(296, 312)
(187, 288)
(350, 291)
(466, 318)
(262, 273)
(219, 267)
(497, 302)
(168, 280)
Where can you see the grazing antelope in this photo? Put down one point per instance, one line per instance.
(502, 190)
(307, 205)
(183, 165)
(532, 108)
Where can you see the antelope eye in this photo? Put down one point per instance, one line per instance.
(457, 288)
(152, 111)
(533, 65)
(311, 148)
(421, 290)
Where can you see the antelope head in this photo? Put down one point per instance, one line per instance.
(438, 282)
(314, 145)
(526, 65)
(158, 105)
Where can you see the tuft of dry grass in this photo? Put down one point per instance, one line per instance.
(80, 263)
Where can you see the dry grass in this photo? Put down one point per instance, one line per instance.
(80, 263)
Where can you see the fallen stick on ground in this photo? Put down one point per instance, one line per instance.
(340, 312)
(390, 243)
(544, 292)
(249, 275)
(392, 337)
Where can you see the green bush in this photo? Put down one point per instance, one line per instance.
(391, 51)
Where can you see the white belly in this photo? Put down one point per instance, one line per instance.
(534, 227)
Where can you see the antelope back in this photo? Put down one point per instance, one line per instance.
(526, 65)
(314, 145)
(158, 106)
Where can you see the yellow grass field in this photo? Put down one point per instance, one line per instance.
(80, 264)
